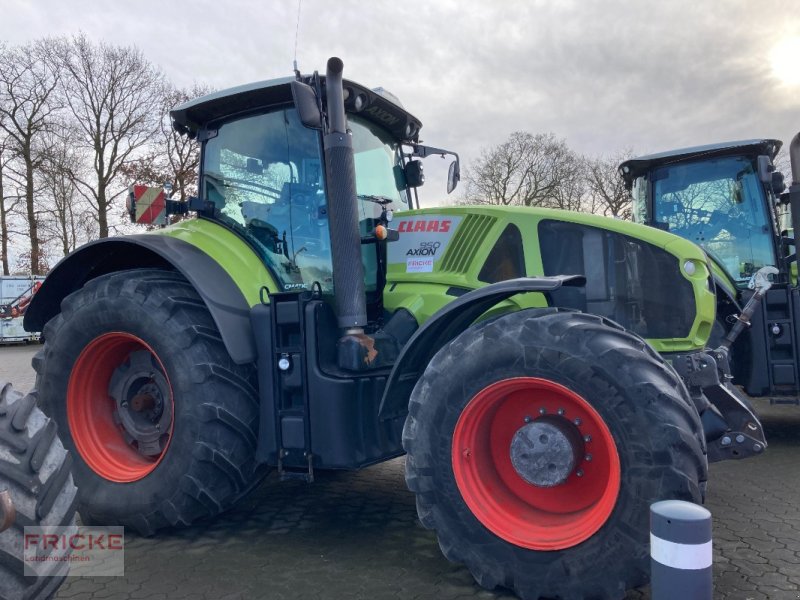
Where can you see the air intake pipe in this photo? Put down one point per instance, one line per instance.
(794, 189)
(348, 270)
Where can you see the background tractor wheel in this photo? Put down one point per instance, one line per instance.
(537, 441)
(162, 423)
(36, 489)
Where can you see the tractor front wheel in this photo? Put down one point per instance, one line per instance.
(537, 441)
(161, 421)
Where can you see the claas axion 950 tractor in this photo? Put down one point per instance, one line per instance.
(309, 319)
(730, 199)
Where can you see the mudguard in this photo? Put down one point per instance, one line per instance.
(445, 325)
(224, 299)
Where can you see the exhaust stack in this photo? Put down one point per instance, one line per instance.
(794, 189)
(348, 270)
(794, 157)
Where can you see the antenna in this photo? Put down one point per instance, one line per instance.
(296, 32)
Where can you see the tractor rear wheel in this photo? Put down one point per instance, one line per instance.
(161, 421)
(537, 441)
(36, 489)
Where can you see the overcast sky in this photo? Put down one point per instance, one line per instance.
(604, 75)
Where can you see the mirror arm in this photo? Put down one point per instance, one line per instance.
(421, 151)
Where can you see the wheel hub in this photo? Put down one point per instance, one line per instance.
(139, 388)
(544, 452)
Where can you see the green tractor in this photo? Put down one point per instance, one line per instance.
(309, 319)
(729, 199)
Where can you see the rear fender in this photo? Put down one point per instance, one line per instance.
(223, 298)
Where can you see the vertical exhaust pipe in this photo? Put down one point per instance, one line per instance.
(794, 190)
(348, 270)
(794, 157)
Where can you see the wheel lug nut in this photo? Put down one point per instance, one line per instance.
(542, 411)
(527, 419)
(577, 422)
(561, 411)
(588, 457)
(466, 453)
(579, 473)
(587, 438)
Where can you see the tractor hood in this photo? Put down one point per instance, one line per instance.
(652, 282)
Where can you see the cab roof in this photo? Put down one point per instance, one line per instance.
(379, 108)
(634, 167)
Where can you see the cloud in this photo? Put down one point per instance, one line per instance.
(603, 75)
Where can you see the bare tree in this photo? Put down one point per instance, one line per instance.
(67, 217)
(114, 94)
(28, 101)
(783, 164)
(570, 191)
(8, 204)
(606, 186)
(525, 170)
(172, 157)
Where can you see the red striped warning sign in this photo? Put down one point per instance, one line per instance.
(151, 208)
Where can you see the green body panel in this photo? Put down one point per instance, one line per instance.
(230, 251)
(425, 293)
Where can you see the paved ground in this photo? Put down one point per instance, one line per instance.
(356, 535)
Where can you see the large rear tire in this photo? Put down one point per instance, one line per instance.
(38, 490)
(162, 422)
(537, 441)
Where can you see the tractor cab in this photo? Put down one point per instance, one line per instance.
(263, 173)
(715, 196)
(729, 199)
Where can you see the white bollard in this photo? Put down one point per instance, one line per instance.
(680, 551)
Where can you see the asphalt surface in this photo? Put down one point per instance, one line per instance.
(356, 535)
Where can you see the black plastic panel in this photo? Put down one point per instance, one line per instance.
(628, 280)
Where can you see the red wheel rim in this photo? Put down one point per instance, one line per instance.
(92, 413)
(538, 518)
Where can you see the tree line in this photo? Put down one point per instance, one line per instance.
(541, 170)
(79, 121)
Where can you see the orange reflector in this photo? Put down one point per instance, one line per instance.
(381, 233)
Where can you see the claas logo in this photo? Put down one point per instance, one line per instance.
(426, 225)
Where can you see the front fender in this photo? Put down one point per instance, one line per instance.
(445, 325)
(222, 296)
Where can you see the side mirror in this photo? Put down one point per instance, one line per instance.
(453, 176)
(305, 99)
(415, 176)
(777, 183)
(765, 169)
